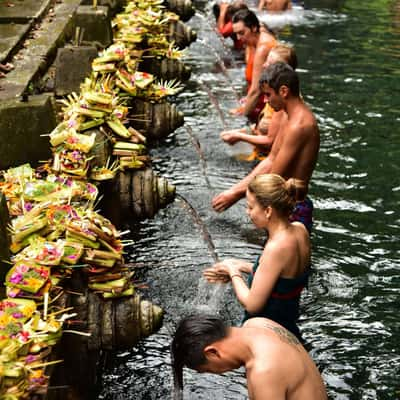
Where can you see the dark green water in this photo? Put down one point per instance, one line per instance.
(349, 53)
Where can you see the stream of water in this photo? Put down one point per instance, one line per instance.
(349, 58)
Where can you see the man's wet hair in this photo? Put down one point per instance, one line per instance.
(281, 74)
(193, 334)
(248, 17)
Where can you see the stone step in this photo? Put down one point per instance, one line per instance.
(37, 53)
(11, 36)
(23, 11)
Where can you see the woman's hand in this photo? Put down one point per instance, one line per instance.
(237, 110)
(213, 276)
(221, 272)
(230, 137)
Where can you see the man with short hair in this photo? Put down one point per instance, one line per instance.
(295, 150)
(277, 366)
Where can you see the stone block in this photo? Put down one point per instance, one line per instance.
(22, 12)
(73, 65)
(34, 60)
(21, 127)
(10, 37)
(96, 23)
(114, 5)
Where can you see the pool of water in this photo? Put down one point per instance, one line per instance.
(349, 56)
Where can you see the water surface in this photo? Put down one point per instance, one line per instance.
(349, 54)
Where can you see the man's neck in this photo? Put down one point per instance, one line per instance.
(239, 346)
(291, 104)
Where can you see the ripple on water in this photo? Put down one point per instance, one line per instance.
(348, 53)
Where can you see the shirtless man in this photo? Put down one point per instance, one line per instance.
(294, 153)
(277, 366)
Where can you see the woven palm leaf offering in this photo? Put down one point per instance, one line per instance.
(27, 276)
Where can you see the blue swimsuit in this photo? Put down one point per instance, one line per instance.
(283, 304)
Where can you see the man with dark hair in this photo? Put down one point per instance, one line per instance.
(277, 366)
(295, 150)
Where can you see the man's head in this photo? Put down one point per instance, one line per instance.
(193, 347)
(279, 82)
(245, 25)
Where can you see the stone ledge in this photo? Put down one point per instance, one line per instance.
(23, 12)
(21, 127)
(11, 35)
(32, 61)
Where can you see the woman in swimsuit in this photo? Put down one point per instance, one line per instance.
(279, 275)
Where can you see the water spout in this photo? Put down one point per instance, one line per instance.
(221, 64)
(209, 296)
(213, 28)
(214, 101)
(199, 150)
(200, 223)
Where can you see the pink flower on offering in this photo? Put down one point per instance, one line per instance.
(12, 292)
(91, 188)
(17, 315)
(28, 206)
(16, 277)
(30, 358)
(44, 273)
(23, 336)
(72, 123)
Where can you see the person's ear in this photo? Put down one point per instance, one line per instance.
(211, 352)
(268, 212)
(283, 91)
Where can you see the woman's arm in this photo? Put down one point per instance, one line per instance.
(254, 92)
(223, 8)
(257, 140)
(269, 269)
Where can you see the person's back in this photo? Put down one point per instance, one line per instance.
(277, 366)
(300, 133)
(274, 5)
(280, 357)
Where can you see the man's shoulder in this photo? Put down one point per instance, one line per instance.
(303, 123)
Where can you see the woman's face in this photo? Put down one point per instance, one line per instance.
(243, 33)
(255, 211)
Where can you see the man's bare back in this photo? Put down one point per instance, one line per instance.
(297, 147)
(280, 368)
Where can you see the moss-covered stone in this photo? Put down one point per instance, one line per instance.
(21, 127)
(73, 65)
(96, 23)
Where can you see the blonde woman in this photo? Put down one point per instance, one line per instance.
(278, 276)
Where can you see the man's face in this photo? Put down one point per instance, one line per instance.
(273, 98)
(243, 33)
